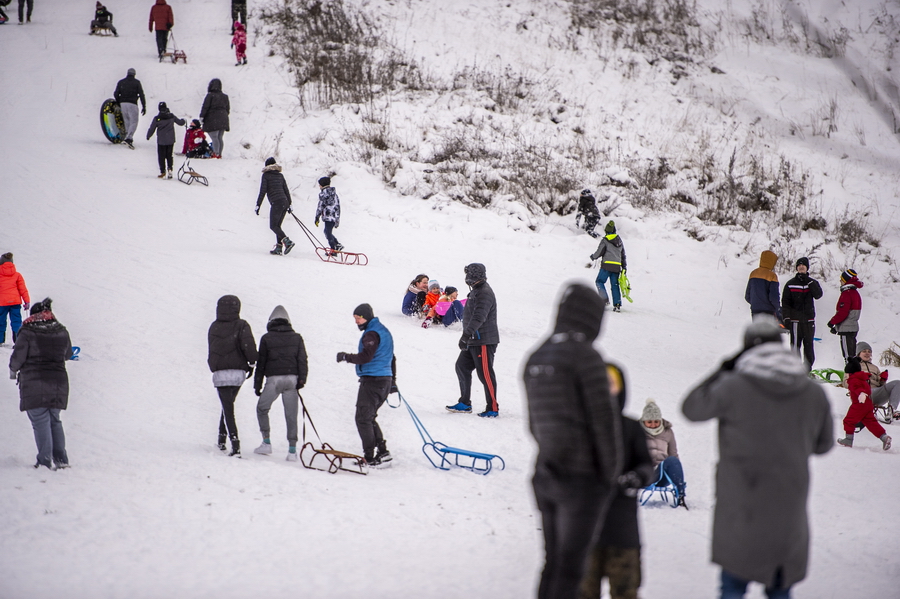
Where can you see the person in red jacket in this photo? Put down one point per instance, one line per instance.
(13, 293)
(161, 16)
(195, 144)
(239, 43)
(861, 408)
(845, 321)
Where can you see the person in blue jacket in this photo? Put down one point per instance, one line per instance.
(762, 289)
(377, 371)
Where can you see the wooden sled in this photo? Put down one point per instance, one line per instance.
(174, 56)
(188, 175)
(329, 459)
(101, 30)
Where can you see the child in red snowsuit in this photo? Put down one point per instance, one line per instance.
(861, 408)
(195, 144)
(239, 43)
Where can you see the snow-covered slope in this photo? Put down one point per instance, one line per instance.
(135, 265)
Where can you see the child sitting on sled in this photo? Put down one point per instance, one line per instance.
(239, 43)
(195, 144)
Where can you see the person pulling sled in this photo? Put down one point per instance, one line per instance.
(274, 185)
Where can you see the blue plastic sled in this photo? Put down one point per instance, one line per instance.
(75, 351)
(442, 456)
(664, 486)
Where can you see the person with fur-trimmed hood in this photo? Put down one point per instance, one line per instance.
(762, 291)
(38, 365)
(845, 321)
(772, 417)
(799, 309)
(13, 296)
(329, 210)
(578, 430)
(611, 253)
(272, 184)
(284, 367)
(232, 354)
(588, 212)
(861, 408)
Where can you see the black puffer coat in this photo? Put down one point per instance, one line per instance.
(480, 313)
(231, 343)
(216, 108)
(576, 424)
(281, 351)
(39, 358)
(273, 184)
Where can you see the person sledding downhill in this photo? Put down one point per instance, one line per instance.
(239, 43)
(329, 210)
(274, 185)
(611, 253)
(861, 408)
(103, 19)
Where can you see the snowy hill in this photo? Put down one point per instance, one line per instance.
(150, 508)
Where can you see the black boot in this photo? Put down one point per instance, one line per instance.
(221, 443)
(235, 446)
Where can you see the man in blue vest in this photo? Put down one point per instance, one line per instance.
(377, 372)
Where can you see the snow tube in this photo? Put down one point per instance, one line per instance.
(111, 121)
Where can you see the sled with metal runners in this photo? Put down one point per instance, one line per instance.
(443, 456)
(325, 253)
(323, 456)
(175, 55)
(187, 174)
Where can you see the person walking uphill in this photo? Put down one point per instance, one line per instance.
(611, 251)
(329, 210)
(770, 413)
(214, 112)
(578, 430)
(861, 407)
(376, 368)
(762, 288)
(13, 296)
(478, 343)
(162, 17)
(38, 365)
(232, 354)
(163, 125)
(799, 310)
(272, 184)
(128, 91)
(283, 365)
(845, 321)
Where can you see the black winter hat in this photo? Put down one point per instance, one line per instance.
(450, 289)
(195, 123)
(586, 192)
(853, 365)
(475, 272)
(804, 261)
(7, 257)
(364, 311)
(41, 306)
(325, 181)
(270, 161)
(162, 107)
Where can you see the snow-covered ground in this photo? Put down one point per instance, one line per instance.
(150, 508)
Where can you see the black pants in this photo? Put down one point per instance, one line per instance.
(848, 344)
(22, 8)
(573, 509)
(162, 40)
(277, 213)
(479, 358)
(238, 9)
(373, 390)
(164, 156)
(802, 334)
(227, 424)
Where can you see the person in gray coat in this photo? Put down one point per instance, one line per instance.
(772, 417)
(38, 365)
(478, 343)
(578, 429)
(611, 253)
(215, 111)
(163, 125)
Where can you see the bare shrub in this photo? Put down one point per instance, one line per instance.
(891, 356)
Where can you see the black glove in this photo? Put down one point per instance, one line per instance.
(729, 364)
(258, 392)
(630, 480)
(394, 388)
(257, 210)
(464, 342)
(341, 356)
(300, 385)
(144, 111)
(290, 210)
(249, 372)
(833, 329)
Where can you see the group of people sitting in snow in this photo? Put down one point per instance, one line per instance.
(425, 299)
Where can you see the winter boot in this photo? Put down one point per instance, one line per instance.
(245, 60)
(617, 308)
(848, 441)
(265, 448)
(338, 247)
(288, 245)
(885, 442)
(161, 176)
(235, 447)
(383, 454)
(221, 444)
(276, 251)
(460, 408)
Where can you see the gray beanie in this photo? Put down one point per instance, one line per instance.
(862, 346)
(132, 72)
(763, 329)
(279, 312)
(651, 411)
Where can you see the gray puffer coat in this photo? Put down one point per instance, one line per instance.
(39, 360)
(164, 126)
(772, 417)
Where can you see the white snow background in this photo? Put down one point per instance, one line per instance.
(150, 507)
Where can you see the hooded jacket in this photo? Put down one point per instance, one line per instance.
(576, 424)
(329, 208)
(612, 252)
(849, 307)
(480, 313)
(12, 286)
(762, 482)
(231, 343)
(762, 288)
(39, 358)
(281, 351)
(273, 184)
(216, 108)
(161, 16)
(164, 126)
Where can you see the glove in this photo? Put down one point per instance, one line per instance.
(729, 364)
(630, 480)
(337, 224)
(300, 385)
(258, 392)
(833, 329)
(464, 342)
(257, 211)
(27, 306)
(884, 374)
(249, 372)
(394, 388)
(12, 374)
(148, 138)
(863, 397)
(317, 223)
(290, 210)
(144, 111)
(341, 356)
(426, 323)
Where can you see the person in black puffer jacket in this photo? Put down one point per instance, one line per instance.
(272, 183)
(38, 364)
(232, 354)
(283, 365)
(478, 343)
(215, 111)
(163, 125)
(798, 306)
(578, 430)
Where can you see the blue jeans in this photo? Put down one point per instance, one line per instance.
(49, 436)
(332, 240)
(734, 587)
(672, 466)
(15, 321)
(613, 277)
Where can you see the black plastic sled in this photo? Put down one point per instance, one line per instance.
(111, 121)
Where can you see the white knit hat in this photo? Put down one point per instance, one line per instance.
(651, 411)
